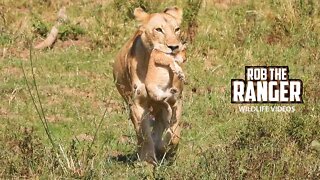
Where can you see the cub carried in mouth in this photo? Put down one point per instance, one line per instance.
(159, 78)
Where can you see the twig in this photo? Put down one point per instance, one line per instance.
(216, 68)
(4, 52)
(4, 19)
(95, 136)
(13, 95)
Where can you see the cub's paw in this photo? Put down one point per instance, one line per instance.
(181, 76)
(173, 90)
(179, 59)
(185, 82)
(175, 68)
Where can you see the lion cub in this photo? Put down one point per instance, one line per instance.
(159, 79)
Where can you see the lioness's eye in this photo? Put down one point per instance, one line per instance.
(159, 30)
(177, 29)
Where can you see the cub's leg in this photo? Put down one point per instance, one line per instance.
(167, 60)
(171, 108)
(178, 71)
(164, 119)
(172, 135)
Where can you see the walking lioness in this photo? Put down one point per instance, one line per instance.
(159, 30)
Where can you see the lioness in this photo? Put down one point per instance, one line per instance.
(159, 30)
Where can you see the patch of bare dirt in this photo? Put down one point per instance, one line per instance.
(3, 111)
(126, 139)
(92, 75)
(57, 118)
(78, 93)
(20, 49)
(15, 51)
(273, 38)
(68, 91)
(12, 72)
(84, 137)
(80, 42)
(224, 4)
(114, 106)
(55, 95)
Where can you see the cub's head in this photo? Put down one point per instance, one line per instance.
(160, 30)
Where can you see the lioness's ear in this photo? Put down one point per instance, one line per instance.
(175, 12)
(140, 14)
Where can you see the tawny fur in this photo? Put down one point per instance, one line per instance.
(160, 73)
(159, 80)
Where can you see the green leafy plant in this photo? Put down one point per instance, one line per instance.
(39, 27)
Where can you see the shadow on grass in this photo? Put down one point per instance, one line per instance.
(129, 158)
(132, 158)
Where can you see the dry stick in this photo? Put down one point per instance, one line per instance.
(97, 129)
(95, 136)
(52, 36)
(100, 150)
(4, 19)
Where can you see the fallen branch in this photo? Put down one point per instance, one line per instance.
(52, 36)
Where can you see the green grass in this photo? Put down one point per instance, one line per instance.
(218, 142)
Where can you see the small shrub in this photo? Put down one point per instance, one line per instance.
(24, 154)
(39, 27)
(70, 31)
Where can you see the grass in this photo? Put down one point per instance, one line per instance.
(75, 85)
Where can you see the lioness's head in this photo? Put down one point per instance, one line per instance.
(160, 30)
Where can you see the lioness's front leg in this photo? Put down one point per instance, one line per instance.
(141, 119)
(161, 123)
(140, 116)
(167, 138)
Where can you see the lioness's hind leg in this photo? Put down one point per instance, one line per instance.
(161, 124)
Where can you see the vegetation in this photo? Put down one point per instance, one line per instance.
(78, 106)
